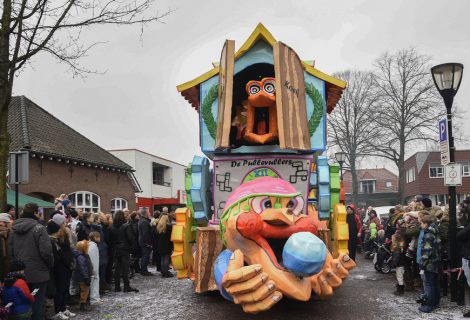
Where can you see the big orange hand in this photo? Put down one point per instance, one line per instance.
(332, 275)
(249, 285)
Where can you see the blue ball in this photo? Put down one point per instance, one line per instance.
(304, 254)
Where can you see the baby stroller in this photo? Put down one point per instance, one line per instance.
(382, 258)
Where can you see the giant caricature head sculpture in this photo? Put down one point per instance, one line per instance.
(265, 221)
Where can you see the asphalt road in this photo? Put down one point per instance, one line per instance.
(366, 294)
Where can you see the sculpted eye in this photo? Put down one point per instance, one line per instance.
(296, 205)
(254, 88)
(269, 87)
(259, 204)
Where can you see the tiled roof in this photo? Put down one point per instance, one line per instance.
(33, 128)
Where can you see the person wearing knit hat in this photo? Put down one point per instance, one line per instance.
(52, 227)
(58, 219)
(5, 224)
(5, 217)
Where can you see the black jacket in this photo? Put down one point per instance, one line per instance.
(164, 244)
(145, 233)
(119, 240)
(103, 245)
(463, 237)
(83, 231)
(132, 233)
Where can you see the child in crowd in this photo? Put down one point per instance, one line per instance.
(16, 292)
(83, 272)
(94, 254)
(412, 223)
(398, 256)
(429, 260)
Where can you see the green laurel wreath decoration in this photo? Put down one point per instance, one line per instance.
(206, 109)
(317, 114)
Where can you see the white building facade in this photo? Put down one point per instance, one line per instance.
(161, 180)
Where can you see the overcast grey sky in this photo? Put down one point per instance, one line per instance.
(135, 103)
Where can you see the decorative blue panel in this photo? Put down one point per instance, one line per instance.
(323, 172)
(200, 189)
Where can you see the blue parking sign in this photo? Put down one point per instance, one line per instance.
(443, 130)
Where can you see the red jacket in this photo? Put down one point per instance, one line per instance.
(358, 223)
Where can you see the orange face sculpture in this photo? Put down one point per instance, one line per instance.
(274, 249)
(261, 118)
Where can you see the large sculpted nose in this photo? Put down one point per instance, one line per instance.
(304, 254)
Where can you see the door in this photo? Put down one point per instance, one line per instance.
(290, 99)
(224, 115)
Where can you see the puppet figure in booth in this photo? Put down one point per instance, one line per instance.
(273, 249)
(261, 117)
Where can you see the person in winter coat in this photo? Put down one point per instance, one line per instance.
(133, 237)
(118, 238)
(463, 237)
(106, 224)
(145, 241)
(61, 273)
(30, 243)
(430, 262)
(5, 226)
(102, 228)
(84, 227)
(83, 272)
(391, 225)
(355, 230)
(165, 246)
(398, 249)
(94, 254)
(156, 258)
(16, 292)
(443, 231)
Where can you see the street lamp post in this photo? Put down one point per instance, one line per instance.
(447, 78)
(341, 158)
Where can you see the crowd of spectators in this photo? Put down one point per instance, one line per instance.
(75, 257)
(416, 235)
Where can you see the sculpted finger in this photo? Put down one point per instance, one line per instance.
(236, 261)
(333, 280)
(241, 275)
(259, 294)
(326, 289)
(339, 269)
(247, 286)
(315, 284)
(347, 262)
(264, 304)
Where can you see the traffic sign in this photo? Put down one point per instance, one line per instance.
(21, 159)
(453, 174)
(444, 142)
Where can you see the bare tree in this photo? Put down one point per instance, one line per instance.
(349, 125)
(29, 27)
(407, 107)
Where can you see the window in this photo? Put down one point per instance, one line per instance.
(388, 184)
(436, 170)
(160, 175)
(465, 170)
(368, 186)
(85, 200)
(410, 175)
(439, 199)
(118, 204)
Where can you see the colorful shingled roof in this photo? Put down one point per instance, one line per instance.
(334, 87)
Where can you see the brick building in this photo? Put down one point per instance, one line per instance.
(376, 187)
(62, 161)
(424, 175)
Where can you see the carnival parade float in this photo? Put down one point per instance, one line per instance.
(264, 218)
